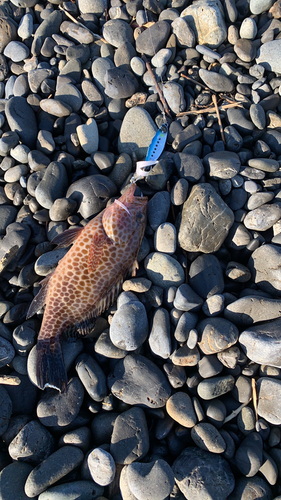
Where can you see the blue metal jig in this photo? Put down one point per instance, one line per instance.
(157, 144)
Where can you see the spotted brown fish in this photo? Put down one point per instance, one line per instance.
(87, 279)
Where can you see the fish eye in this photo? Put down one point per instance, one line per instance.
(140, 217)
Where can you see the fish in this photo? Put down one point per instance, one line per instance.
(86, 280)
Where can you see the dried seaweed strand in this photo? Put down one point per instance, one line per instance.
(214, 98)
(81, 24)
(160, 93)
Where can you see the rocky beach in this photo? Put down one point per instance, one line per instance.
(176, 392)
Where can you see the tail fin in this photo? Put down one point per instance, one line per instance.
(50, 369)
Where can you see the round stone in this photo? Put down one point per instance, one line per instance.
(180, 408)
(102, 466)
(207, 437)
(150, 480)
(163, 270)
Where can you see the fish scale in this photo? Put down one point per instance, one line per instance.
(86, 280)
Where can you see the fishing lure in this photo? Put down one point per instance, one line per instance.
(86, 280)
(154, 151)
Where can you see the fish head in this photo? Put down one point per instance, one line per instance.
(126, 217)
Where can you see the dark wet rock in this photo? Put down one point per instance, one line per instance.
(55, 409)
(91, 376)
(18, 113)
(56, 466)
(137, 380)
(213, 478)
(130, 439)
(153, 479)
(32, 444)
(245, 487)
(84, 489)
(249, 456)
(207, 437)
(12, 480)
(203, 200)
(188, 166)
(206, 276)
(6, 410)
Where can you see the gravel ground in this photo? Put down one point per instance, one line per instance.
(176, 392)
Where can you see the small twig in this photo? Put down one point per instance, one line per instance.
(234, 413)
(160, 93)
(210, 109)
(255, 399)
(81, 24)
(214, 98)
(9, 380)
(197, 83)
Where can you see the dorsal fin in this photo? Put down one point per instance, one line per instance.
(40, 299)
(67, 237)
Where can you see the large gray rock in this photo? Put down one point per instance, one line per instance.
(206, 19)
(262, 343)
(265, 267)
(205, 220)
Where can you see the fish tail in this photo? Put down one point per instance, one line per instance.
(50, 369)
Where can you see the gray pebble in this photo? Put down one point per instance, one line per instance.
(186, 299)
(73, 489)
(269, 399)
(16, 51)
(206, 276)
(32, 444)
(14, 474)
(117, 31)
(216, 81)
(53, 410)
(18, 113)
(179, 192)
(222, 164)
(213, 305)
(91, 376)
(137, 380)
(188, 167)
(47, 262)
(163, 270)
(7, 216)
(217, 334)
(130, 439)
(165, 238)
(159, 337)
(101, 466)
(158, 209)
(215, 387)
(209, 366)
(208, 438)
(213, 228)
(154, 479)
(153, 39)
(246, 420)
(129, 326)
(6, 409)
(186, 323)
(91, 194)
(200, 474)
(56, 466)
(180, 408)
(216, 412)
(248, 457)
(245, 486)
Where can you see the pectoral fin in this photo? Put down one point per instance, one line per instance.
(40, 299)
(67, 237)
